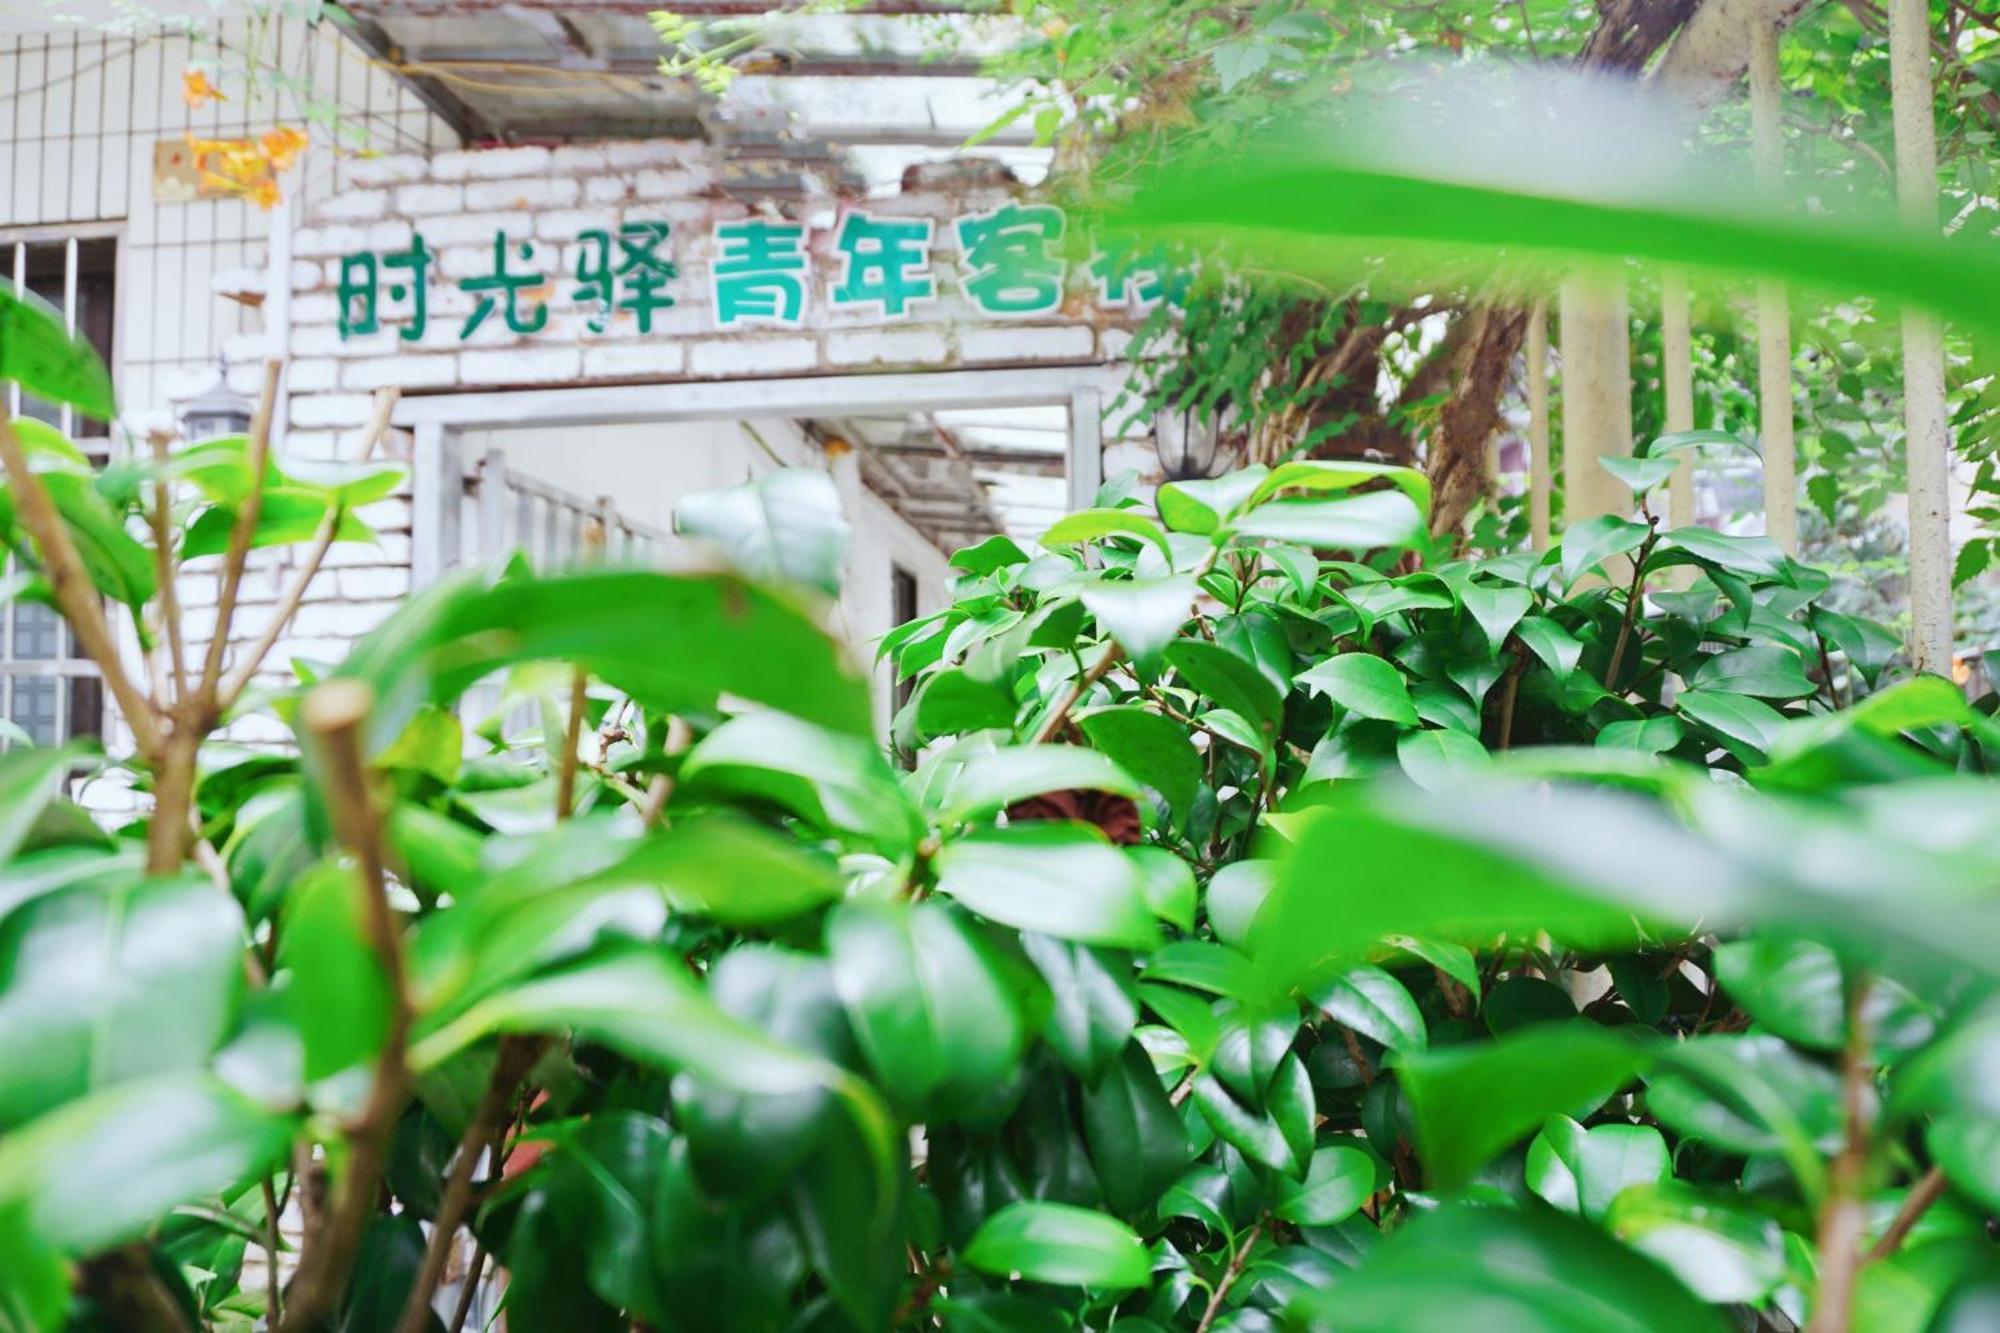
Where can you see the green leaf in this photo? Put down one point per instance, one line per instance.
(1236, 893)
(1556, 646)
(1742, 555)
(1093, 1005)
(1060, 1245)
(1168, 884)
(338, 995)
(785, 525)
(837, 782)
(1061, 879)
(1229, 680)
(1791, 986)
(1527, 1270)
(1681, 441)
(1344, 474)
(1372, 521)
(955, 700)
(1649, 735)
(1376, 1005)
(34, 1282)
(1764, 673)
(1434, 759)
(1247, 1129)
(1582, 1170)
(1495, 610)
(1640, 474)
(1746, 725)
(1136, 1137)
(1201, 506)
(1337, 1183)
(673, 642)
(105, 982)
(1724, 1253)
(29, 780)
(997, 779)
(1364, 685)
(936, 1022)
(102, 1169)
(38, 352)
(995, 553)
(1967, 1147)
(1143, 615)
(1749, 1094)
(286, 516)
(1455, 961)
(1090, 524)
(1470, 1102)
(1588, 544)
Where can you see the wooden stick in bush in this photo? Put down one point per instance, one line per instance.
(257, 454)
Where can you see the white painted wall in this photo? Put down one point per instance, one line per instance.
(80, 113)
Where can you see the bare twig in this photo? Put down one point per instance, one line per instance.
(1843, 1217)
(517, 1056)
(579, 698)
(1510, 692)
(469, 1290)
(1237, 1263)
(378, 422)
(1053, 723)
(163, 560)
(662, 785)
(1634, 595)
(1927, 1191)
(333, 715)
(75, 595)
(256, 456)
(273, 1289)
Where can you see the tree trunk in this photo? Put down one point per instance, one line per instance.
(1774, 330)
(1927, 443)
(1597, 394)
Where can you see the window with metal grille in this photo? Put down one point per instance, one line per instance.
(902, 610)
(48, 690)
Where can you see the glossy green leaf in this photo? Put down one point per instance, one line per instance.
(673, 642)
(1376, 520)
(1520, 1270)
(1152, 748)
(1248, 1129)
(1060, 878)
(1967, 1146)
(995, 780)
(1142, 615)
(1374, 1004)
(286, 515)
(1761, 672)
(1060, 1245)
(34, 1282)
(1236, 893)
(1640, 474)
(1339, 1180)
(933, 1017)
(1473, 1101)
(1749, 1094)
(1437, 758)
(101, 983)
(1723, 1252)
(1317, 475)
(1093, 1005)
(1090, 524)
(785, 525)
(1652, 735)
(337, 993)
(29, 780)
(1136, 1138)
(103, 1168)
(1495, 610)
(1582, 1170)
(1747, 725)
(1555, 646)
(1168, 884)
(1588, 544)
(839, 782)
(1231, 681)
(1201, 506)
(996, 552)
(1364, 685)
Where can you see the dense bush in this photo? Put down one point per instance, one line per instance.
(1654, 996)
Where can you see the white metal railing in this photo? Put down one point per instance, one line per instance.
(507, 510)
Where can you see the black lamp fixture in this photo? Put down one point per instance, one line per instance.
(217, 410)
(1189, 440)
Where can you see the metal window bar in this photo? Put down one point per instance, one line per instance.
(44, 686)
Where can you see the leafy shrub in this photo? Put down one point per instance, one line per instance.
(1656, 995)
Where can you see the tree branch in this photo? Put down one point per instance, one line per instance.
(163, 563)
(1843, 1217)
(253, 656)
(333, 715)
(517, 1057)
(1053, 723)
(1927, 1191)
(1237, 1262)
(256, 456)
(75, 595)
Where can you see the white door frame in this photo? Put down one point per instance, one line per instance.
(436, 421)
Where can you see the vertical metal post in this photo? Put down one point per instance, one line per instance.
(1774, 333)
(1541, 482)
(66, 419)
(1085, 468)
(435, 491)
(492, 505)
(20, 289)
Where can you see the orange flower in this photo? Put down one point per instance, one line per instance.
(196, 89)
(283, 145)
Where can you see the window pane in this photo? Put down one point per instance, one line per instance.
(37, 633)
(35, 707)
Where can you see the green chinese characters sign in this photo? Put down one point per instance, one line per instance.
(1012, 263)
